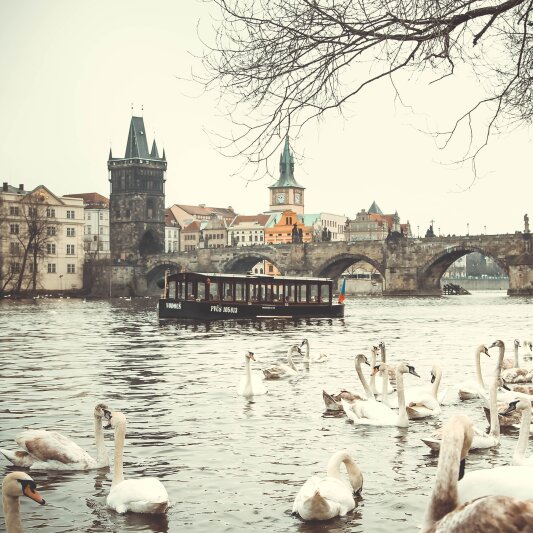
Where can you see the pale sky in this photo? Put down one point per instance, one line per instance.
(71, 70)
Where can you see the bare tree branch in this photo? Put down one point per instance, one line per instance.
(283, 63)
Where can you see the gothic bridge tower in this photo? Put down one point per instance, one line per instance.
(137, 197)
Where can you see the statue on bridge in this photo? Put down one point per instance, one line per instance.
(526, 223)
(430, 232)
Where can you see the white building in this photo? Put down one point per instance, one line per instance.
(96, 233)
(247, 230)
(326, 224)
(41, 240)
(172, 233)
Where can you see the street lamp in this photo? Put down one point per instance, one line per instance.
(485, 229)
(468, 228)
(418, 232)
(60, 282)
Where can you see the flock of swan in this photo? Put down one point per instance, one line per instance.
(49, 450)
(498, 499)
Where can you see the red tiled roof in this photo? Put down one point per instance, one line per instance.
(192, 227)
(260, 219)
(91, 199)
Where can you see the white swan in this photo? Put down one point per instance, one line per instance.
(471, 390)
(444, 512)
(524, 407)
(281, 371)
(423, 404)
(322, 357)
(145, 495)
(333, 401)
(50, 450)
(15, 485)
(512, 363)
(325, 498)
(374, 413)
(481, 440)
(513, 375)
(250, 385)
(373, 361)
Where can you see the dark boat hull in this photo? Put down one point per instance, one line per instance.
(186, 309)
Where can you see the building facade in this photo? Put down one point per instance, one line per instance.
(137, 197)
(41, 246)
(172, 233)
(287, 193)
(247, 230)
(281, 227)
(96, 233)
(326, 226)
(374, 225)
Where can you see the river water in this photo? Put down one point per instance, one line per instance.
(230, 464)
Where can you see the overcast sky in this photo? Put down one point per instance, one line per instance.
(72, 69)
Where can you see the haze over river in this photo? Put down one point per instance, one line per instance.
(230, 464)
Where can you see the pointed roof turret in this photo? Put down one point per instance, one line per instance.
(286, 168)
(374, 209)
(110, 154)
(164, 156)
(137, 145)
(153, 152)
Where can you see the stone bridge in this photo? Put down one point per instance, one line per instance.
(409, 267)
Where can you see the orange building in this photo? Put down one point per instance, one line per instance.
(279, 229)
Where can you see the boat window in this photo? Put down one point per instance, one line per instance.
(172, 290)
(190, 291)
(201, 291)
(302, 293)
(290, 293)
(240, 292)
(180, 285)
(313, 292)
(227, 293)
(213, 290)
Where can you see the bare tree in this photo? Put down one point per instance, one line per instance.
(34, 236)
(7, 261)
(283, 63)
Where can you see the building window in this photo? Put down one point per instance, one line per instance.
(50, 248)
(101, 216)
(71, 214)
(71, 268)
(14, 210)
(71, 232)
(70, 249)
(14, 247)
(88, 216)
(14, 229)
(51, 231)
(50, 212)
(51, 268)
(15, 268)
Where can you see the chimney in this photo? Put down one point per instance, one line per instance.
(21, 187)
(4, 186)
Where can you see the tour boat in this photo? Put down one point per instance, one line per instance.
(205, 296)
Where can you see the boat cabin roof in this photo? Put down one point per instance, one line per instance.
(213, 277)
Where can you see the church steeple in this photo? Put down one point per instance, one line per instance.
(286, 193)
(286, 167)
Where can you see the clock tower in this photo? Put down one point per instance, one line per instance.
(287, 193)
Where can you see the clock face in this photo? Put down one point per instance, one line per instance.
(280, 198)
(297, 197)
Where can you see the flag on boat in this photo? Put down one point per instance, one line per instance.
(343, 291)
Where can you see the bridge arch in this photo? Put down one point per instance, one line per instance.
(157, 272)
(241, 263)
(336, 265)
(432, 271)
